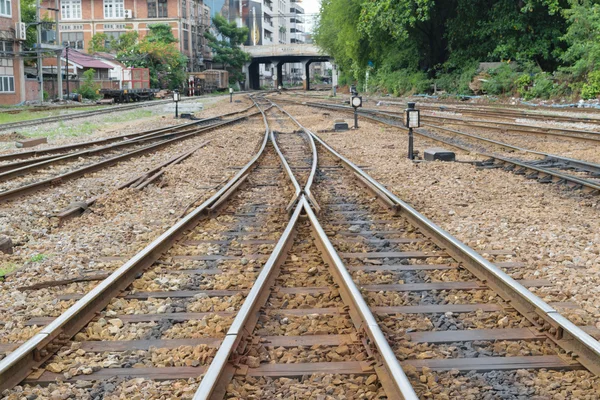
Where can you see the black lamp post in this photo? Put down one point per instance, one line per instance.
(67, 69)
(176, 99)
(412, 119)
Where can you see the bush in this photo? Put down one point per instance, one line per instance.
(591, 89)
(457, 81)
(401, 82)
(501, 82)
(523, 83)
(88, 89)
(543, 87)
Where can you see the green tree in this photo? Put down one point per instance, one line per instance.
(98, 44)
(226, 47)
(28, 13)
(88, 89)
(416, 41)
(156, 51)
(582, 37)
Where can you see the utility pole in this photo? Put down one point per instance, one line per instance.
(59, 53)
(38, 21)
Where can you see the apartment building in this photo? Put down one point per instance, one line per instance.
(80, 20)
(12, 81)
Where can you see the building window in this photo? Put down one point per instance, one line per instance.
(7, 84)
(70, 9)
(73, 39)
(112, 36)
(186, 40)
(114, 8)
(6, 8)
(157, 9)
(183, 9)
(6, 47)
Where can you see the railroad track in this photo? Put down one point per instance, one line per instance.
(284, 293)
(543, 167)
(84, 114)
(57, 165)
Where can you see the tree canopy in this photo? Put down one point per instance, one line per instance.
(226, 46)
(156, 51)
(428, 40)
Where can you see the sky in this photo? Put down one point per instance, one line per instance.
(310, 7)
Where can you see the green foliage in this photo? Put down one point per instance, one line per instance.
(543, 87)
(38, 258)
(402, 82)
(591, 89)
(522, 83)
(98, 43)
(501, 81)
(88, 89)
(28, 13)
(582, 37)
(443, 41)
(226, 47)
(158, 52)
(457, 80)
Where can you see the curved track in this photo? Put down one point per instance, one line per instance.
(328, 287)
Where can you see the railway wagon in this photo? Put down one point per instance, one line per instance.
(211, 80)
(135, 86)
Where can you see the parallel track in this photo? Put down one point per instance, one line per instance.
(549, 169)
(85, 114)
(357, 251)
(81, 162)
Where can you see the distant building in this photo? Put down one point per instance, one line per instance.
(12, 79)
(80, 20)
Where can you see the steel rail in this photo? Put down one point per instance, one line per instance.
(585, 184)
(22, 190)
(83, 114)
(505, 111)
(61, 149)
(592, 167)
(313, 169)
(522, 128)
(558, 177)
(563, 332)
(18, 171)
(214, 382)
(400, 385)
(35, 351)
(288, 171)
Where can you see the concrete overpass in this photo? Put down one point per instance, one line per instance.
(279, 54)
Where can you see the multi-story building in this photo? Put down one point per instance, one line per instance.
(296, 22)
(12, 81)
(80, 20)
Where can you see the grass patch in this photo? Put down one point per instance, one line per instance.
(6, 269)
(75, 128)
(28, 114)
(38, 258)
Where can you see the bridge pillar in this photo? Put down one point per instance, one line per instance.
(279, 65)
(306, 75)
(253, 76)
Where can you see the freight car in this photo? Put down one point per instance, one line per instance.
(208, 81)
(135, 86)
(129, 95)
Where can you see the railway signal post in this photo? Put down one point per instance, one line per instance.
(176, 99)
(412, 119)
(356, 103)
(231, 95)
